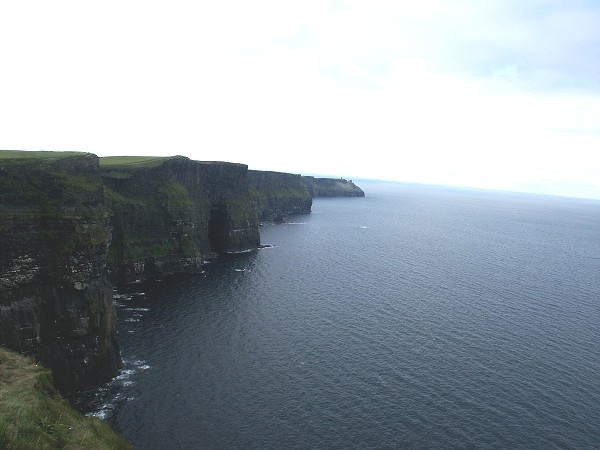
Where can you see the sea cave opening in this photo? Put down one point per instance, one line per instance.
(217, 227)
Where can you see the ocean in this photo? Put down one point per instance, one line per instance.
(416, 317)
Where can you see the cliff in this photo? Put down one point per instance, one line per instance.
(71, 223)
(277, 194)
(332, 187)
(55, 297)
(169, 213)
(33, 415)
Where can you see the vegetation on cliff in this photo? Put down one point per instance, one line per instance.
(276, 194)
(169, 213)
(153, 218)
(20, 156)
(34, 416)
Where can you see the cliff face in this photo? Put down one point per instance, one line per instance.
(332, 187)
(69, 222)
(55, 297)
(171, 212)
(277, 194)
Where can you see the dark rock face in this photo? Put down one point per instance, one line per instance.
(55, 298)
(169, 216)
(277, 194)
(332, 187)
(69, 225)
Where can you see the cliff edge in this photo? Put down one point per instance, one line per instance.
(55, 297)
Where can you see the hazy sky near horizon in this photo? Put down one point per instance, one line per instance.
(494, 94)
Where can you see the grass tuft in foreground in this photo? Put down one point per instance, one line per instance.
(34, 416)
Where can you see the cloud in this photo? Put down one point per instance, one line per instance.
(539, 45)
(493, 94)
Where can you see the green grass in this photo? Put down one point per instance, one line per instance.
(142, 248)
(21, 157)
(177, 196)
(132, 162)
(34, 416)
(22, 154)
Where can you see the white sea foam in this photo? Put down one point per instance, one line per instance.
(125, 373)
(141, 364)
(237, 252)
(103, 413)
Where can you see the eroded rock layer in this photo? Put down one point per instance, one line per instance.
(169, 213)
(277, 194)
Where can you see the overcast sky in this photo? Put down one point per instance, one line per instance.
(496, 94)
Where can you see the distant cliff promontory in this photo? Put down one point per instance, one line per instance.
(332, 187)
(73, 224)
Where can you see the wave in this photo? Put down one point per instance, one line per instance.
(237, 252)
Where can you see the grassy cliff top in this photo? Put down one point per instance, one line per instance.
(23, 154)
(133, 162)
(33, 416)
(25, 157)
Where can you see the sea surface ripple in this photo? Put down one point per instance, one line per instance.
(417, 317)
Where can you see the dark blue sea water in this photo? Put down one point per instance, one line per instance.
(417, 317)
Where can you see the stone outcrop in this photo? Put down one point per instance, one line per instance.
(55, 297)
(332, 187)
